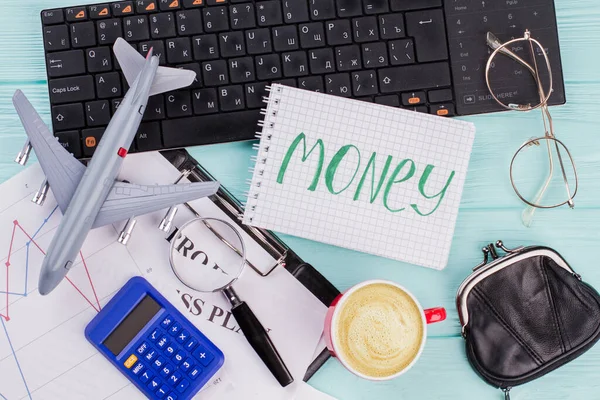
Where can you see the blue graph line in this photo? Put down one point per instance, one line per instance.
(24, 294)
(12, 349)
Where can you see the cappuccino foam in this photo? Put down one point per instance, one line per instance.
(378, 330)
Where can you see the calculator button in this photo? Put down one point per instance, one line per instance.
(163, 342)
(203, 355)
(167, 322)
(145, 377)
(167, 370)
(139, 367)
(130, 361)
(183, 384)
(183, 336)
(178, 358)
(151, 355)
(170, 350)
(162, 391)
(142, 349)
(191, 344)
(187, 364)
(154, 335)
(176, 377)
(154, 383)
(175, 328)
(171, 396)
(158, 363)
(195, 372)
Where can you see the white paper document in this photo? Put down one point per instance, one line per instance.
(43, 351)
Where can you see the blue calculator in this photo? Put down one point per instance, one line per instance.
(153, 344)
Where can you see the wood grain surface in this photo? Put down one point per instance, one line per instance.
(489, 209)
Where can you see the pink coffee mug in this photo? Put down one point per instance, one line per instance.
(428, 316)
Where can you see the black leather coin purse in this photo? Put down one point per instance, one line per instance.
(525, 314)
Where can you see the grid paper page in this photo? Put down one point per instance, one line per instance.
(362, 176)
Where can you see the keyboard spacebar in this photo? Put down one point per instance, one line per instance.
(209, 129)
(414, 77)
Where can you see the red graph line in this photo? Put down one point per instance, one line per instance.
(16, 224)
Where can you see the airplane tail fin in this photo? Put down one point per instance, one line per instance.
(166, 79)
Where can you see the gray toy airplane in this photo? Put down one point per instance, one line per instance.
(92, 197)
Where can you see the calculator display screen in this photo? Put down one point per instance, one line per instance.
(132, 325)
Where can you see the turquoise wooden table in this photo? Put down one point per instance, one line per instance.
(489, 211)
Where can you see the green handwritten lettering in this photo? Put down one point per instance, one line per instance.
(393, 180)
(333, 166)
(440, 195)
(286, 160)
(371, 165)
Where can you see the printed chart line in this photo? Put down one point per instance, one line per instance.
(6, 317)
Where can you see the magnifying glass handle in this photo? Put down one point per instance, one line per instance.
(261, 342)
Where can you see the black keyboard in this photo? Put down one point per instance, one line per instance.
(424, 55)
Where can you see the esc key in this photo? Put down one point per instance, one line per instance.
(51, 17)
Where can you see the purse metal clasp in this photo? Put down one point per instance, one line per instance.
(490, 250)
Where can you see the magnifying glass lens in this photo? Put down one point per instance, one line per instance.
(207, 254)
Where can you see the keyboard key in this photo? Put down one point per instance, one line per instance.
(258, 41)
(99, 59)
(405, 5)
(166, 370)
(175, 378)
(364, 83)
(179, 104)
(348, 58)
(391, 100)
(365, 29)
(439, 96)
(294, 64)
(108, 85)
(205, 101)
(91, 139)
(429, 32)
(158, 47)
(171, 396)
(339, 32)
(68, 90)
(154, 383)
(145, 6)
(203, 129)
(312, 35)
(203, 355)
(162, 391)
(178, 357)
(285, 38)
(151, 354)
(187, 364)
(191, 344)
(99, 11)
(97, 114)
(179, 50)
(241, 70)
(183, 385)
(268, 13)
(65, 63)
(122, 9)
(442, 110)
(196, 68)
(51, 17)
(206, 47)
(391, 26)
(115, 103)
(155, 335)
(158, 363)
(193, 3)
(338, 85)
(136, 28)
(76, 14)
(322, 9)
(162, 26)
(68, 116)
(139, 367)
(147, 139)
(169, 5)
(109, 31)
(375, 6)
(130, 362)
(56, 38)
(321, 61)
(215, 73)
(71, 141)
(414, 77)
(413, 98)
(189, 22)
(215, 19)
(231, 98)
(348, 8)
(374, 55)
(295, 11)
(312, 83)
(215, 2)
(242, 16)
(232, 44)
(195, 372)
(146, 376)
(402, 52)
(162, 342)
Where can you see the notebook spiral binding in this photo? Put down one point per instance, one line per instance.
(262, 149)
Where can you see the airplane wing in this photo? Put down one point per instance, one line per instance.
(127, 200)
(62, 170)
(166, 79)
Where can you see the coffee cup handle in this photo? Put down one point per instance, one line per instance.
(436, 314)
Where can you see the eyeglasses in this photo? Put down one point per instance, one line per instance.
(534, 161)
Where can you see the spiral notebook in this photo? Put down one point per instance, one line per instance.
(363, 176)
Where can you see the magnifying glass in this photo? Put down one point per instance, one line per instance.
(208, 255)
